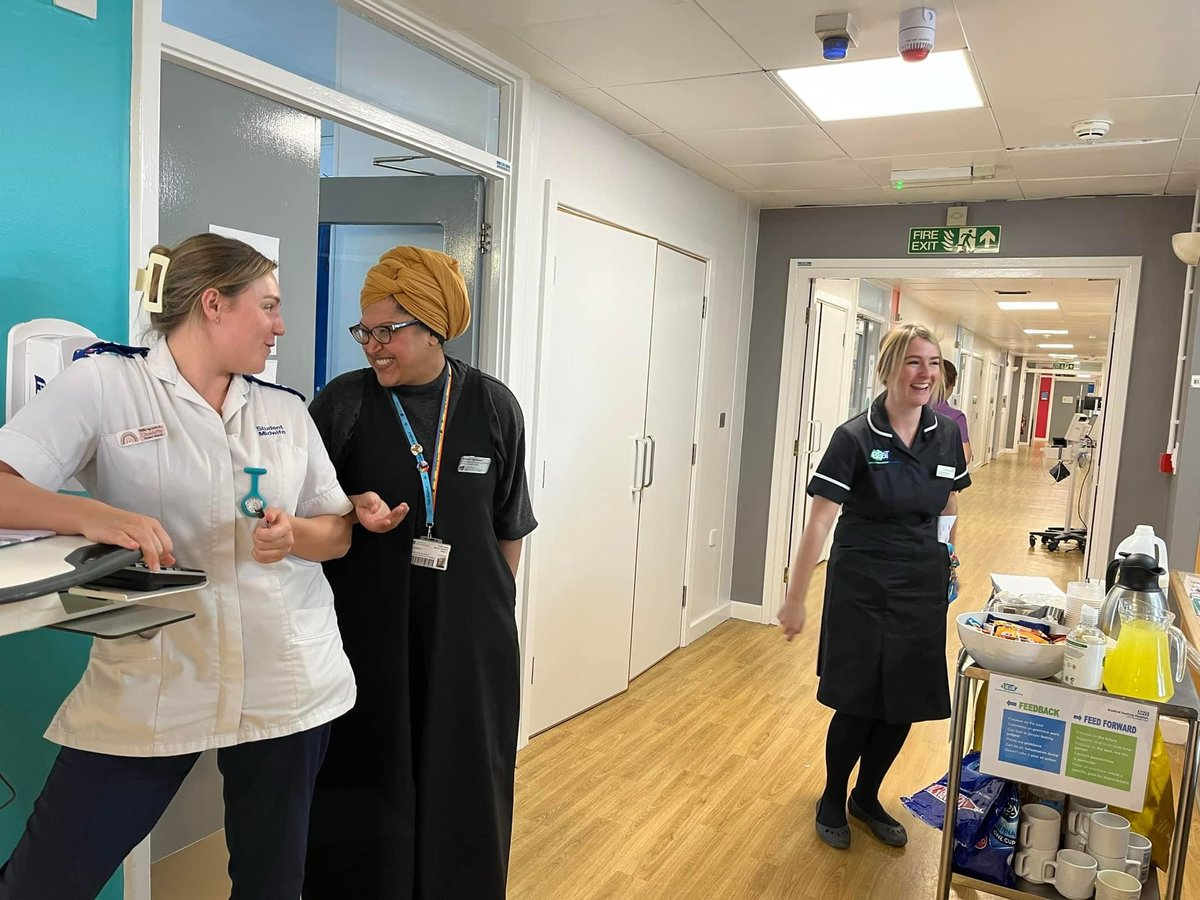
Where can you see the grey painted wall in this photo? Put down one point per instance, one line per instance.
(232, 158)
(1106, 226)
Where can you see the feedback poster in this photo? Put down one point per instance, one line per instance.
(1079, 743)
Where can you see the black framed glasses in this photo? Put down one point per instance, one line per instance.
(381, 333)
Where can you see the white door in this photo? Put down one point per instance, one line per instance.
(993, 410)
(670, 431)
(828, 371)
(977, 399)
(591, 460)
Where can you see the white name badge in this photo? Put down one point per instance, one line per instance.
(132, 436)
(430, 553)
(474, 465)
(945, 471)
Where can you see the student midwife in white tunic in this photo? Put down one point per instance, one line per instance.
(162, 440)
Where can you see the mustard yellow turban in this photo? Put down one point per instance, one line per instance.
(426, 283)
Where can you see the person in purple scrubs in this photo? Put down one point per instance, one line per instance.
(950, 378)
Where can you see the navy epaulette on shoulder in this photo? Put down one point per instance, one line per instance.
(278, 387)
(108, 347)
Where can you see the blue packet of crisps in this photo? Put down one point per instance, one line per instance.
(984, 826)
(990, 857)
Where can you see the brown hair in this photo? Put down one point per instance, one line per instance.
(198, 263)
(894, 349)
(949, 375)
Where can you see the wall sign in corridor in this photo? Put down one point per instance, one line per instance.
(936, 241)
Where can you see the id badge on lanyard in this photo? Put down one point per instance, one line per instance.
(429, 552)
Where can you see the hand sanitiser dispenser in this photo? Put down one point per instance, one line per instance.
(37, 351)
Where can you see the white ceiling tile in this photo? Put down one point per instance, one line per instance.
(1193, 128)
(1095, 162)
(1050, 123)
(540, 67)
(1183, 183)
(750, 100)
(658, 43)
(943, 132)
(881, 169)
(455, 13)
(779, 33)
(1094, 187)
(835, 173)
(532, 12)
(611, 110)
(758, 146)
(829, 197)
(1082, 49)
(676, 150)
(1188, 159)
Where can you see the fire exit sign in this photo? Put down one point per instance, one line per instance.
(973, 239)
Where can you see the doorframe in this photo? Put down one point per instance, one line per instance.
(155, 42)
(1126, 270)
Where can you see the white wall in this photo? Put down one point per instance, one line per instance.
(619, 179)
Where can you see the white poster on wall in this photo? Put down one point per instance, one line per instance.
(269, 247)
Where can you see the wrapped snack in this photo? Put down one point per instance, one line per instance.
(1025, 631)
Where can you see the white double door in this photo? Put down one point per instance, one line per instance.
(615, 460)
(826, 390)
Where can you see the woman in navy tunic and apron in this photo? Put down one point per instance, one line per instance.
(893, 470)
(415, 797)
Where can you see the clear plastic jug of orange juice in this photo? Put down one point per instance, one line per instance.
(1140, 664)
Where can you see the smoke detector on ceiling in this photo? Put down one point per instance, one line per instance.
(1089, 130)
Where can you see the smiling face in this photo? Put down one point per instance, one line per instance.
(249, 323)
(913, 382)
(412, 355)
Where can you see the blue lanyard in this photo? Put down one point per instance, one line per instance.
(429, 485)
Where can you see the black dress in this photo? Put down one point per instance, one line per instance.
(415, 796)
(883, 631)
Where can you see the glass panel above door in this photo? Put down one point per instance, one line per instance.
(320, 41)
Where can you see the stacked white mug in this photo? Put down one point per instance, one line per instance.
(1108, 843)
(1079, 809)
(1038, 836)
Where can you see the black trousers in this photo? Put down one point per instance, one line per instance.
(95, 808)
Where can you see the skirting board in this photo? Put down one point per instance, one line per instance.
(707, 623)
(746, 612)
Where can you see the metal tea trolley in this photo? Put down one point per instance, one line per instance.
(1186, 706)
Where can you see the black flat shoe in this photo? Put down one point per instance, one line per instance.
(892, 835)
(838, 838)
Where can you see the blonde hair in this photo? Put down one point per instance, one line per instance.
(894, 349)
(198, 263)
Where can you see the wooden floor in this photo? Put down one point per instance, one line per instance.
(700, 780)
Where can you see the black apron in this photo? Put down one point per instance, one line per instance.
(415, 797)
(883, 631)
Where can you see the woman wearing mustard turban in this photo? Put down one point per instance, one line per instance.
(415, 797)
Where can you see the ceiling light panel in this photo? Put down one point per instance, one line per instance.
(1031, 305)
(876, 88)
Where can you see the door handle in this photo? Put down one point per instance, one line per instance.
(639, 465)
(653, 456)
(816, 431)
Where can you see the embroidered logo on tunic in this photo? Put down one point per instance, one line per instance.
(880, 457)
(270, 430)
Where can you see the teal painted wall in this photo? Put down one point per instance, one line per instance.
(64, 252)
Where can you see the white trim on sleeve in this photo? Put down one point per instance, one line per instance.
(844, 487)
